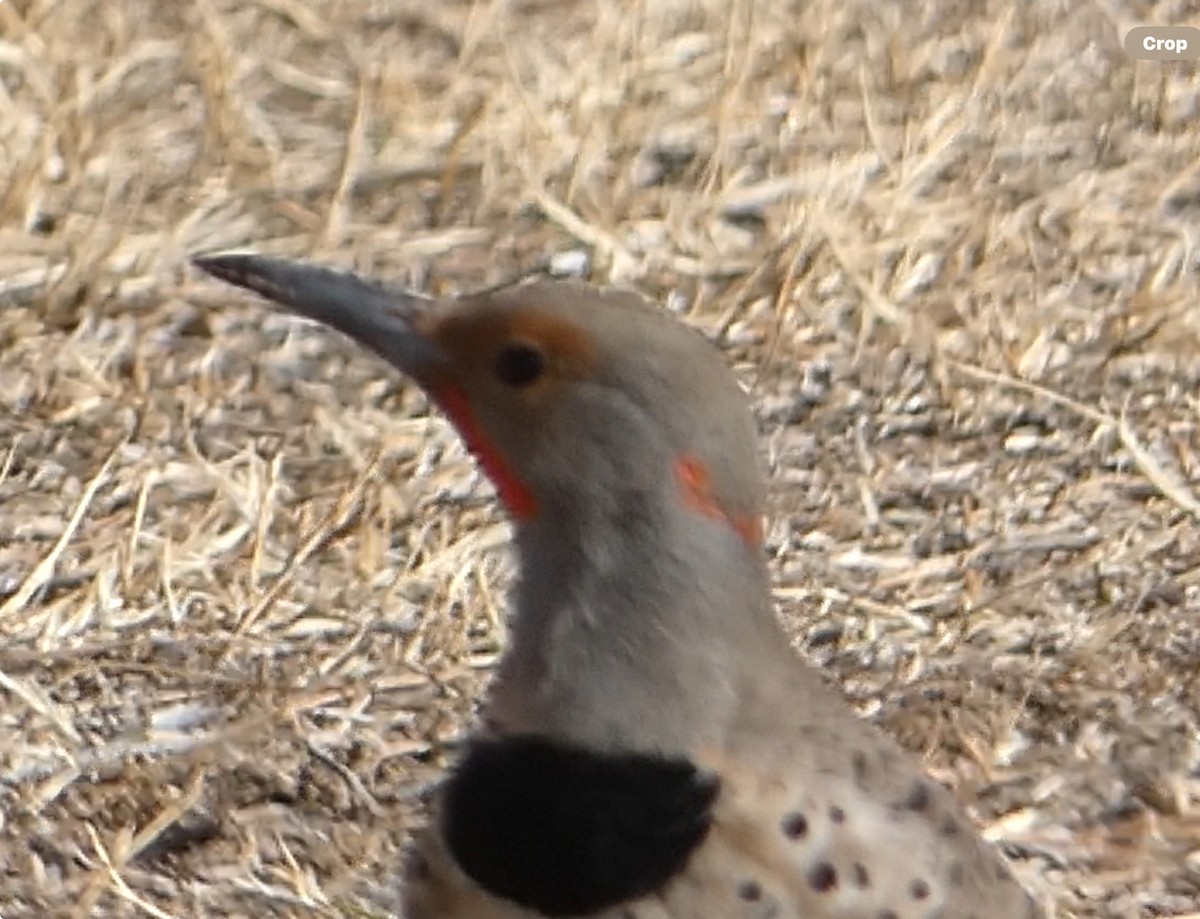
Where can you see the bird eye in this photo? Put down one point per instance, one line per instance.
(519, 364)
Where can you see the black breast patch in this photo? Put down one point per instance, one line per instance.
(567, 831)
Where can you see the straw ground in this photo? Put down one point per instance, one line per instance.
(250, 586)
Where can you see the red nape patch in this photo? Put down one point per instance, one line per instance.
(696, 484)
(517, 499)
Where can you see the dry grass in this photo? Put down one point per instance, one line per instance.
(249, 588)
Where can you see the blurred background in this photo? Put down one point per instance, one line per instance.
(250, 587)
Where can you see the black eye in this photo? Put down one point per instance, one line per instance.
(519, 364)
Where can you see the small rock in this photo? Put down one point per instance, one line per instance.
(1022, 441)
(573, 263)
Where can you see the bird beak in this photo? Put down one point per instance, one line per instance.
(382, 320)
(393, 324)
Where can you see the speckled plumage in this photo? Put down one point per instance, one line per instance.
(651, 740)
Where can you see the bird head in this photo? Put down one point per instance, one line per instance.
(583, 405)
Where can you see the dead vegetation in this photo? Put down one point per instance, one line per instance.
(249, 587)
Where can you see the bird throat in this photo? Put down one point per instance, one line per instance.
(514, 494)
(600, 604)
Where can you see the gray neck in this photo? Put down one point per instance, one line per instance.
(618, 640)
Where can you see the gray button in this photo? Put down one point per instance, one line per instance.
(1163, 43)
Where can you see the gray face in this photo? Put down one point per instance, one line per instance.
(566, 392)
(626, 393)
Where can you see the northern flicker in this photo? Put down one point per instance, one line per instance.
(651, 747)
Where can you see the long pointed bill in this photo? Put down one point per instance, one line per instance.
(384, 321)
(375, 317)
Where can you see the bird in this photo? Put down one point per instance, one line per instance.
(650, 746)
